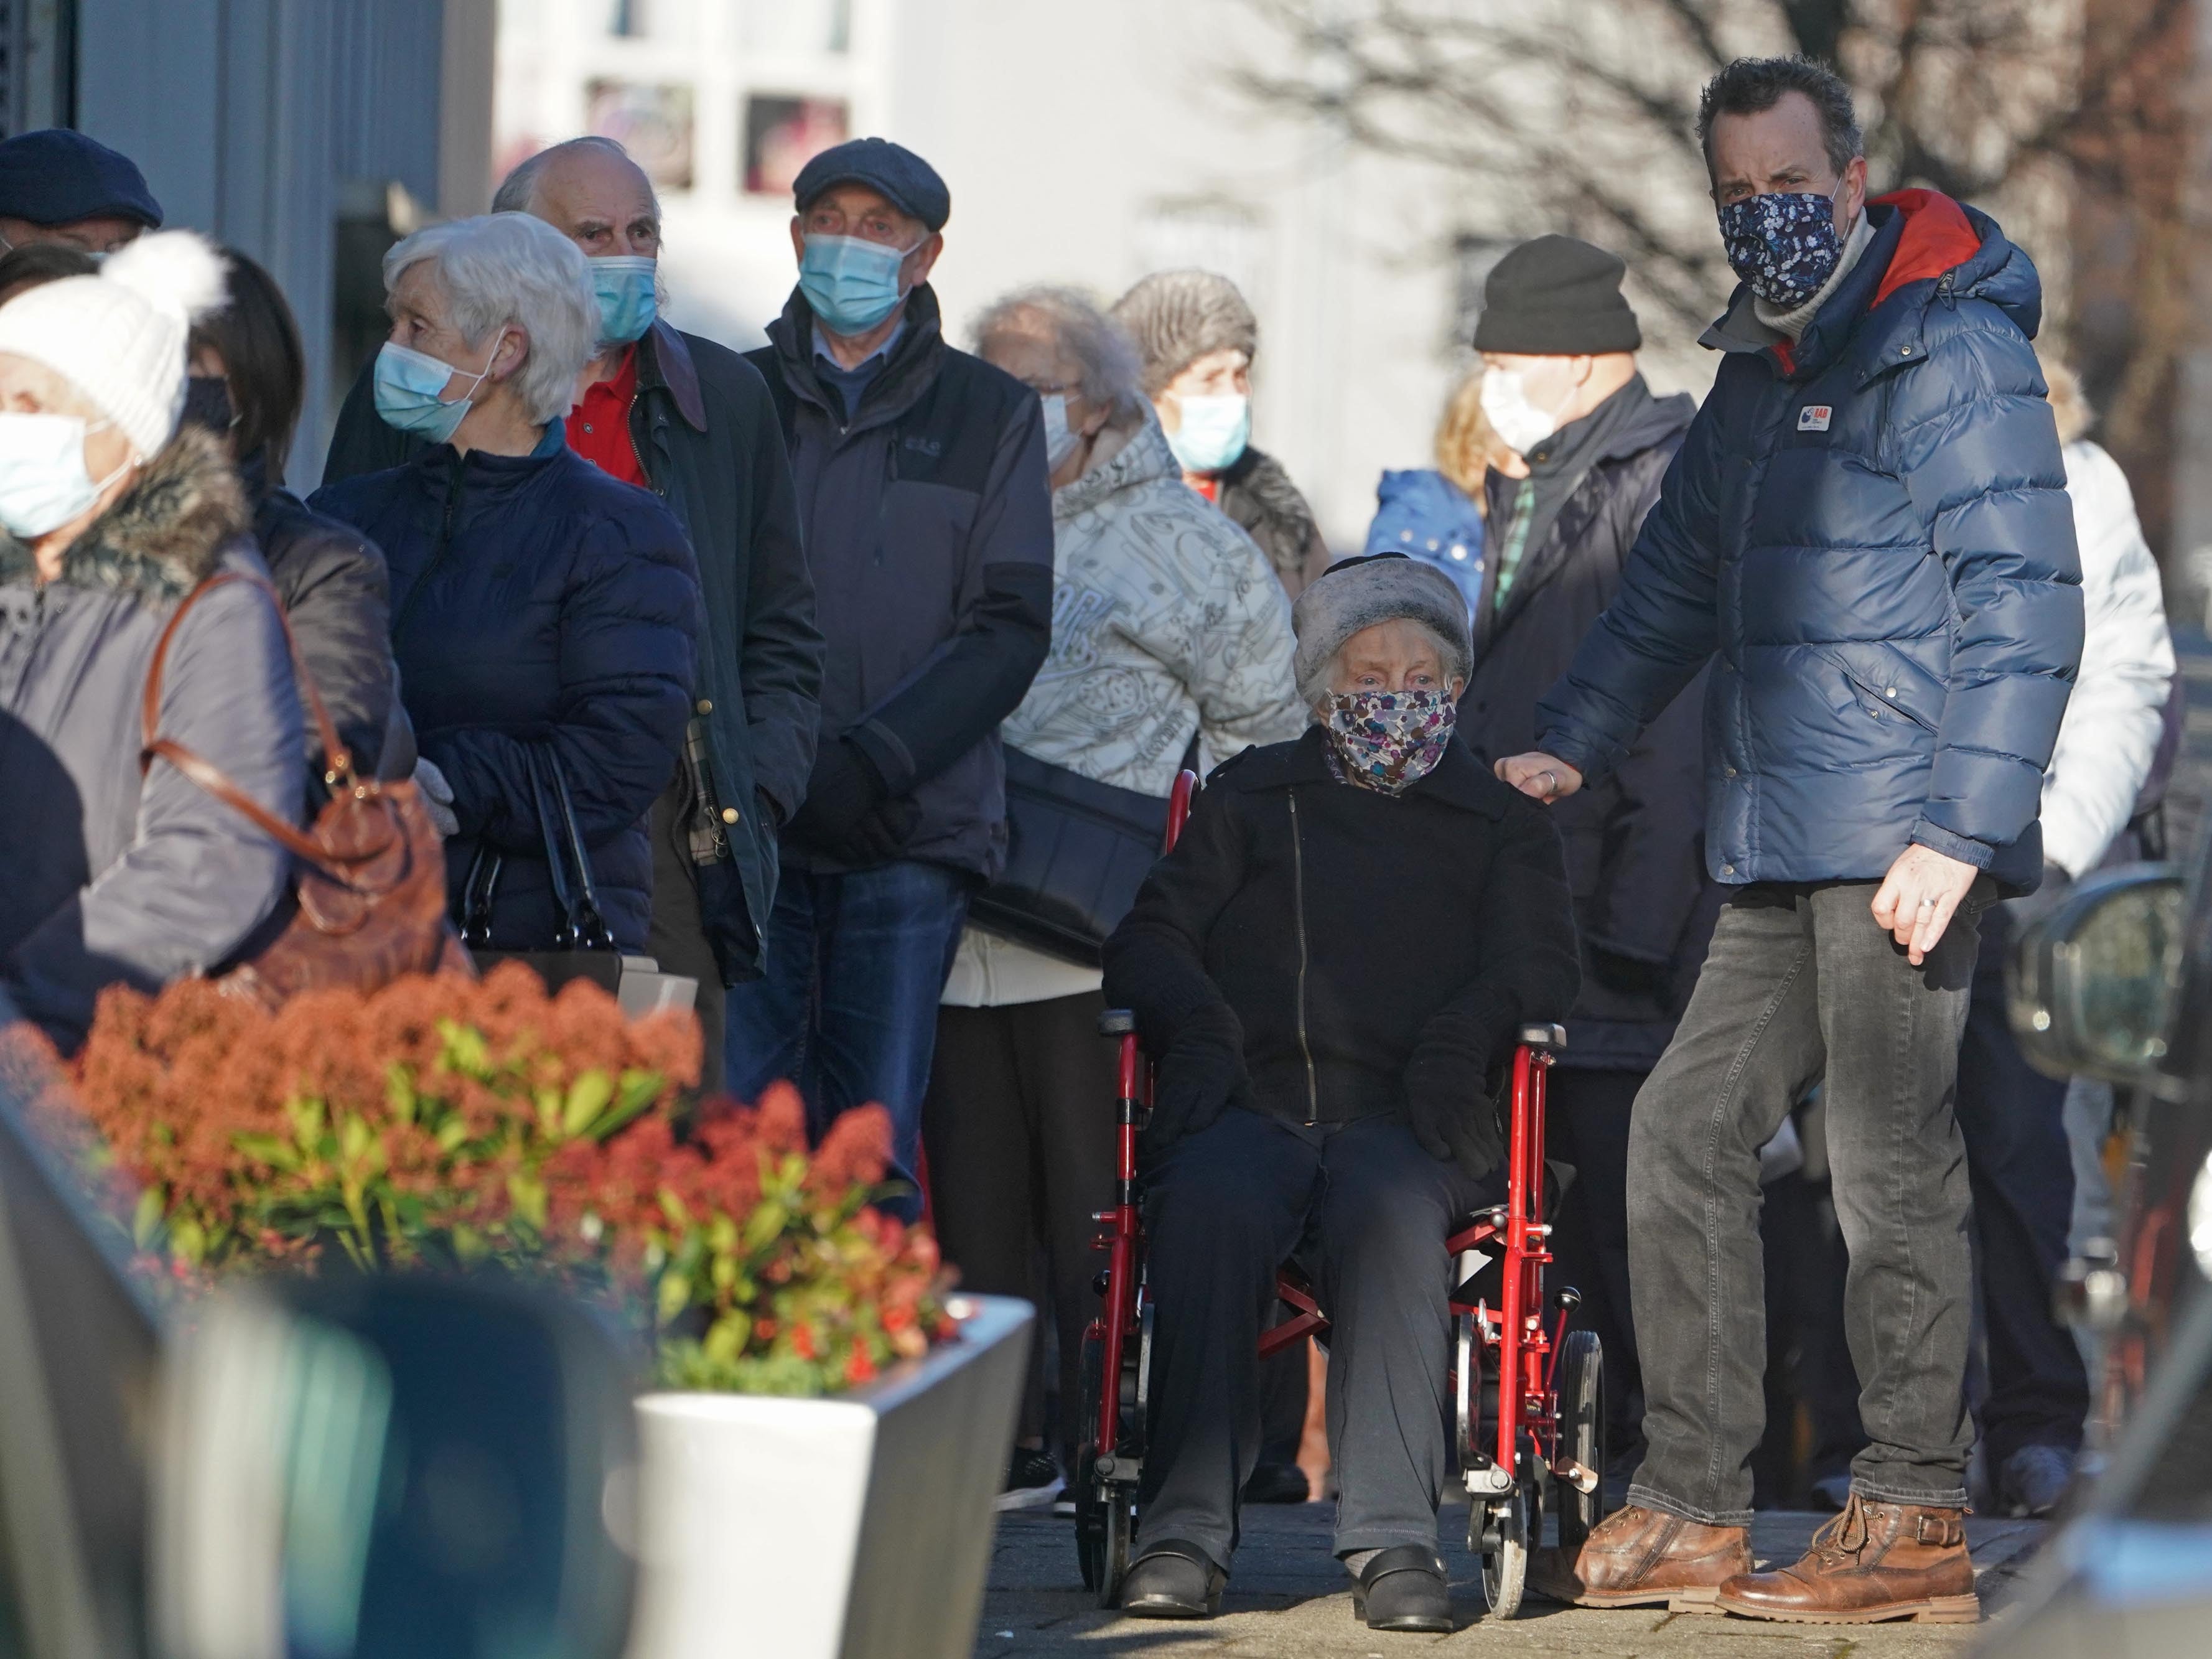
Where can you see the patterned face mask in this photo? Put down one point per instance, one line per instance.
(1389, 740)
(1783, 245)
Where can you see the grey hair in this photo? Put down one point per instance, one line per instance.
(1110, 371)
(517, 192)
(1315, 686)
(509, 267)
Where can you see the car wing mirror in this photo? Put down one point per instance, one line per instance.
(354, 1467)
(2090, 987)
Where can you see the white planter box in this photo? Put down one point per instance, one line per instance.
(858, 1528)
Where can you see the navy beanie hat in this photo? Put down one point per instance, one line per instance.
(56, 177)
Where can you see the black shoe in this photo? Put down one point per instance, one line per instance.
(1404, 1589)
(1032, 1478)
(1277, 1483)
(1173, 1580)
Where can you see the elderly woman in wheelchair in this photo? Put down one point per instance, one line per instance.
(1327, 971)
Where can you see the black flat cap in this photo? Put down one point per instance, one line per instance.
(1556, 297)
(56, 177)
(892, 171)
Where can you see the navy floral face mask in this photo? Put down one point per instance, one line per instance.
(1783, 245)
(1388, 740)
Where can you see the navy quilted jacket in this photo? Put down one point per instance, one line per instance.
(534, 598)
(1869, 537)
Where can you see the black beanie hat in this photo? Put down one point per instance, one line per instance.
(1556, 297)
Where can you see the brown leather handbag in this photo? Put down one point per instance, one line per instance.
(368, 901)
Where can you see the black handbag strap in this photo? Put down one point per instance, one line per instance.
(584, 927)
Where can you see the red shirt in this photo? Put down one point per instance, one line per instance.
(599, 427)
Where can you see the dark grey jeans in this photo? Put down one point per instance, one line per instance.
(1369, 1211)
(1800, 984)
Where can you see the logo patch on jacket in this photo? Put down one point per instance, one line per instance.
(1813, 417)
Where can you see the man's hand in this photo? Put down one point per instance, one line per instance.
(1547, 777)
(1919, 896)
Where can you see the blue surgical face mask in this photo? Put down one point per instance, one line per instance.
(1059, 438)
(1214, 431)
(408, 388)
(627, 303)
(43, 481)
(851, 283)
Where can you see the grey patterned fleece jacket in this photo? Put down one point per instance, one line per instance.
(1166, 619)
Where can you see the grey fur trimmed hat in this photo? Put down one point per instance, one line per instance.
(1375, 587)
(1177, 317)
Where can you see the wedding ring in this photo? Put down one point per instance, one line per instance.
(1554, 783)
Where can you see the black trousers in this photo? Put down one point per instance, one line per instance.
(1369, 1211)
(2021, 1170)
(1019, 1123)
(676, 937)
(1587, 1116)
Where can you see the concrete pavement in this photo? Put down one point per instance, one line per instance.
(1289, 1598)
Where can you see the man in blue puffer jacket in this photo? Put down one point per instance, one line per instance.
(1867, 534)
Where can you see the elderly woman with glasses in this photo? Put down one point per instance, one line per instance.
(1170, 636)
(544, 614)
(1327, 970)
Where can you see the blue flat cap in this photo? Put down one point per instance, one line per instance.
(56, 177)
(892, 171)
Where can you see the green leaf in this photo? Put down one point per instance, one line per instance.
(767, 1219)
(528, 1197)
(675, 1295)
(146, 1219)
(725, 1338)
(587, 1098)
(266, 1149)
(188, 1239)
(400, 1092)
(450, 1133)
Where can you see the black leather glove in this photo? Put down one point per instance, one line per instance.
(842, 792)
(882, 836)
(1200, 1077)
(1450, 1108)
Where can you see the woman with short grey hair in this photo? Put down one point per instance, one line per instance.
(503, 273)
(544, 613)
(1170, 639)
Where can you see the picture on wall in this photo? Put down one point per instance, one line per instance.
(651, 121)
(783, 131)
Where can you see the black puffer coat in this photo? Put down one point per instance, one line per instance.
(1348, 930)
(1635, 839)
(336, 596)
(538, 600)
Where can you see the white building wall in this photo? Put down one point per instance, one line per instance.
(1085, 145)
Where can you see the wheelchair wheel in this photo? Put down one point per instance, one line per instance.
(1105, 1530)
(1466, 1389)
(1509, 1526)
(1582, 1434)
(1090, 1512)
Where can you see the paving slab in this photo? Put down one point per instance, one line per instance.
(1289, 1598)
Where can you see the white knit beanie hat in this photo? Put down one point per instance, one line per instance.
(120, 336)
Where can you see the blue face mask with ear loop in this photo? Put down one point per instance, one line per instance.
(409, 384)
(628, 302)
(851, 284)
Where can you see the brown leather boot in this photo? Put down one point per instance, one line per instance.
(1873, 1561)
(1637, 1556)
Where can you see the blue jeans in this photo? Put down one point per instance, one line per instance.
(847, 1009)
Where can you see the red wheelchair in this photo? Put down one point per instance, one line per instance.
(1529, 1395)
